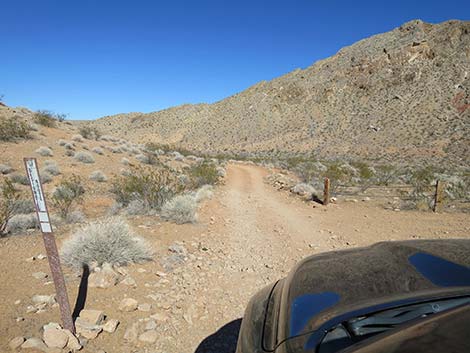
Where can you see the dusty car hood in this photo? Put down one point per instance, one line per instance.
(330, 285)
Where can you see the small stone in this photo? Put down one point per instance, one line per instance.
(16, 342)
(40, 275)
(94, 317)
(34, 343)
(87, 330)
(41, 257)
(103, 278)
(110, 325)
(19, 319)
(17, 302)
(129, 281)
(128, 304)
(141, 270)
(150, 325)
(44, 299)
(132, 332)
(144, 307)
(54, 336)
(159, 317)
(160, 274)
(73, 342)
(149, 336)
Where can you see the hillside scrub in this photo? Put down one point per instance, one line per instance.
(48, 118)
(84, 157)
(68, 193)
(12, 129)
(180, 209)
(51, 167)
(77, 138)
(9, 197)
(204, 173)
(97, 150)
(109, 240)
(90, 132)
(152, 186)
(205, 192)
(98, 176)
(19, 179)
(22, 222)
(44, 151)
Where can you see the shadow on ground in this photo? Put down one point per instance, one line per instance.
(222, 341)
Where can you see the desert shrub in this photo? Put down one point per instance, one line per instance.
(143, 158)
(98, 176)
(125, 172)
(180, 209)
(153, 186)
(62, 142)
(90, 132)
(84, 157)
(77, 138)
(9, 196)
(51, 167)
(221, 172)
(70, 153)
(24, 206)
(108, 240)
(47, 118)
(44, 151)
(115, 150)
(19, 179)
(33, 127)
(5, 169)
(85, 147)
(177, 156)
(12, 129)
(364, 170)
(22, 222)
(125, 161)
(205, 192)
(337, 175)
(68, 193)
(204, 173)
(98, 150)
(75, 217)
(422, 179)
(69, 146)
(136, 207)
(46, 177)
(386, 174)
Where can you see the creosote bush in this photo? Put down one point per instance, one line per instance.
(180, 209)
(84, 157)
(152, 186)
(12, 129)
(9, 197)
(68, 193)
(47, 118)
(109, 240)
(90, 132)
(204, 173)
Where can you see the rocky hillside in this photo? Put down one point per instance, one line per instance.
(397, 96)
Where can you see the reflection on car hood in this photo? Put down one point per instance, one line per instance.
(326, 286)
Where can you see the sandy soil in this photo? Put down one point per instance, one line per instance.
(247, 236)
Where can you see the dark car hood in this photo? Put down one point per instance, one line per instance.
(326, 286)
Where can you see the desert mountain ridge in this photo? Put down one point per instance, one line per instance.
(401, 95)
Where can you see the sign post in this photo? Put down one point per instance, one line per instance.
(49, 242)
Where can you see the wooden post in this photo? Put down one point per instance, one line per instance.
(326, 192)
(438, 196)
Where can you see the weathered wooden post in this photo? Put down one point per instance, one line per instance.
(49, 242)
(438, 196)
(326, 192)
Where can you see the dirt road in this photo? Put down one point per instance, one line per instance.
(247, 236)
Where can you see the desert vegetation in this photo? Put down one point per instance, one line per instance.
(13, 129)
(68, 193)
(48, 118)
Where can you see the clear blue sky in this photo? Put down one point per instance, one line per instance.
(89, 58)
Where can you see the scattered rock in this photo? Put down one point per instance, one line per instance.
(128, 304)
(16, 342)
(41, 257)
(40, 275)
(110, 325)
(150, 325)
(93, 317)
(34, 343)
(132, 332)
(87, 330)
(73, 342)
(54, 336)
(149, 336)
(104, 277)
(44, 299)
(129, 281)
(144, 307)
(178, 249)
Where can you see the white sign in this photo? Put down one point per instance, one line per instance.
(38, 195)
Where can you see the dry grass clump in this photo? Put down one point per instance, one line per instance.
(44, 151)
(98, 176)
(84, 157)
(205, 192)
(180, 209)
(108, 240)
(51, 168)
(77, 138)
